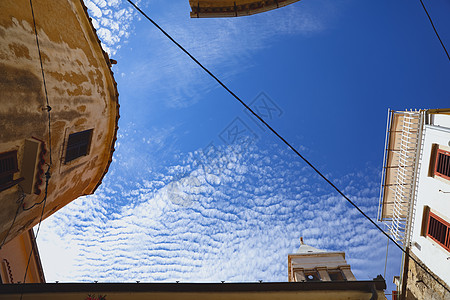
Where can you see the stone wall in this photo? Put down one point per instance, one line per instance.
(421, 286)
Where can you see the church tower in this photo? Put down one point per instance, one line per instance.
(312, 264)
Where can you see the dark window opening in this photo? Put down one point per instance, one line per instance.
(336, 275)
(78, 145)
(439, 231)
(8, 166)
(442, 166)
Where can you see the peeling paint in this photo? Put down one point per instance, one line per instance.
(19, 50)
(81, 93)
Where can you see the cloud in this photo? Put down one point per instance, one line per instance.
(233, 217)
(225, 46)
(113, 21)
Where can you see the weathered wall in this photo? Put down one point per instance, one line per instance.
(81, 92)
(420, 285)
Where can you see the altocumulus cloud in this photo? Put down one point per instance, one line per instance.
(113, 20)
(220, 44)
(231, 216)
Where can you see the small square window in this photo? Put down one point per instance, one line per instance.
(78, 145)
(8, 166)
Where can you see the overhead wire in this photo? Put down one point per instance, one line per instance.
(47, 178)
(283, 140)
(49, 165)
(434, 28)
(19, 201)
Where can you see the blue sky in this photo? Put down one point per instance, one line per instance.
(187, 200)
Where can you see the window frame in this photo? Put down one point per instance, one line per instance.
(446, 244)
(440, 152)
(77, 147)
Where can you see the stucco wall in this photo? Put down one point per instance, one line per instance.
(330, 260)
(14, 260)
(430, 192)
(81, 93)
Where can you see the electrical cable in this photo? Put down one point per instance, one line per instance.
(47, 178)
(19, 201)
(49, 165)
(34, 204)
(385, 262)
(45, 85)
(48, 107)
(434, 28)
(283, 140)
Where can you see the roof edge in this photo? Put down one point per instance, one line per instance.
(115, 96)
(378, 283)
(444, 111)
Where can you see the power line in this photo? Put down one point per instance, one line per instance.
(47, 178)
(49, 165)
(434, 28)
(19, 201)
(283, 140)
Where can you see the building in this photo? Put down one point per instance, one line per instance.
(14, 260)
(233, 8)
(325, 284)
(312, 264)
(414, 199)
(74, 133)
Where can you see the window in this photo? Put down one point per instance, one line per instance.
(78, 145)
(439, 230)
(442, 165)
(8, 166)
(336, 275)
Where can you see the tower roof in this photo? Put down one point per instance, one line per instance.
(306, 249)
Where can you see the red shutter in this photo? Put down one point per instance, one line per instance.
(439, 230)
(442, 165)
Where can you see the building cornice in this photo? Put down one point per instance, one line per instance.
(224, 9)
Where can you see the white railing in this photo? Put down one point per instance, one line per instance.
(403, 205)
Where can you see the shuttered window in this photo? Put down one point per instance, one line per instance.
(8, 166)
(439, 230)
(442, 165)
(78, 145)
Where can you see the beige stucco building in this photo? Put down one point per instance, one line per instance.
(233, 8)
(14, 260)
(76, 137)
(312, 264)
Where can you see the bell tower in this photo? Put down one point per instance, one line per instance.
(312, 264)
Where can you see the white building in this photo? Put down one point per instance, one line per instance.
(415, 198)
